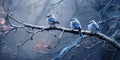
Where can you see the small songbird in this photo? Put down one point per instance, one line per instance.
(52, 20)
(93, 26)
(75, 25)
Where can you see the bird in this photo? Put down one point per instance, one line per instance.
(75, 25)
(52, 20)
(93, 26)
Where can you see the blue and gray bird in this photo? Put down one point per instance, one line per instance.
(52, 20)
(93, 26)
(75, 25)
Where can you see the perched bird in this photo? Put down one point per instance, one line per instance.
(93, 26)
(52, 20)
(75, 25)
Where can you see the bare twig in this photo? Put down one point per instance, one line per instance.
(58, 2)
(105, 7)
(58, 41)
(30, 38)
(113, 54)
(108, 20)
(94, 45)
(66, 49)
(114, 5)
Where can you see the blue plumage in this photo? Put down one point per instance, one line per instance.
(52, 20)
(75, 25)
(93, 26)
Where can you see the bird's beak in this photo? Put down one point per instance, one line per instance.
(90, 22)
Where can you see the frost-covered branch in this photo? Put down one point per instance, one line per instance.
(85, 32)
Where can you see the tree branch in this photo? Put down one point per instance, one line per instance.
(85, 32)
(68, 30)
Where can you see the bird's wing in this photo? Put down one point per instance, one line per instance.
(53, 20)
(96, 26)
(76, 25)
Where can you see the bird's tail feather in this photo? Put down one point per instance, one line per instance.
(57, 22)
(80, 33)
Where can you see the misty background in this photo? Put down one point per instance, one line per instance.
(35, 11)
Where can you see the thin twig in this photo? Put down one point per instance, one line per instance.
(113, 54)
(58, 41)
(58, 2)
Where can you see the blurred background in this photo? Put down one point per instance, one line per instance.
(104, 12)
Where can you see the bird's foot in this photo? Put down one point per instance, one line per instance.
(78, 45)
(93, 32)
(53, 26)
